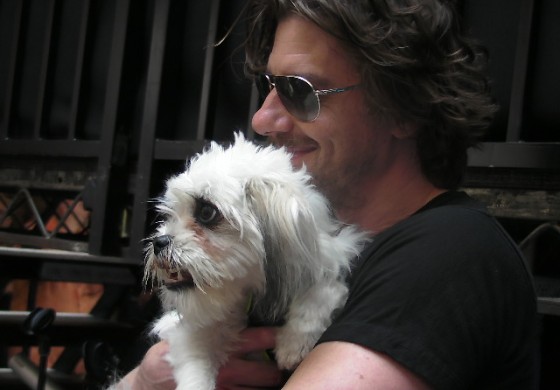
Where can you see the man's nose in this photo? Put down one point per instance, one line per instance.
(272, 117)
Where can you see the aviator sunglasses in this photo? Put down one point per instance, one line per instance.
(296, 93)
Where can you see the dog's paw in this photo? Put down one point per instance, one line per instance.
(165, 324)
(292, 347)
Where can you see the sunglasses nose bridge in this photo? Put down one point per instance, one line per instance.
(269, 82)
(271, 92)
(265, 85)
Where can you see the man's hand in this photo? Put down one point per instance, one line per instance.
(242, 372)
(239, 373)
(154, 372)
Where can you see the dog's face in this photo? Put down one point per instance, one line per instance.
(238, 218)
(208, 236)
(211, 232)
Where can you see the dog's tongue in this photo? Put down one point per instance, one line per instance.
(176, 279)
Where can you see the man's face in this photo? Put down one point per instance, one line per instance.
(345, 145)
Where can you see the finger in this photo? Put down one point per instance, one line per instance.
(154, 371)
(249, 374)
(256, 339)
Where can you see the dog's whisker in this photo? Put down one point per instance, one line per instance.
(147, 239)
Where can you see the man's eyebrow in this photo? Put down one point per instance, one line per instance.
(314, 78)
(318, 81)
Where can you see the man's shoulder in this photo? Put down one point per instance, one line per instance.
(450, 205)
(454, 215)
(457, 232)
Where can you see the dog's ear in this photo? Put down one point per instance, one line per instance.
(286, 220)
(291, 243)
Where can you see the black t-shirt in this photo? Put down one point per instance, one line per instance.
(447, 294)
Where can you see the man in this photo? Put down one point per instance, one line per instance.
(441, 298)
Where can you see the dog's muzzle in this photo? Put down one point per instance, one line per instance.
(176, 278)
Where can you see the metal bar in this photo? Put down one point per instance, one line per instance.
(548, 306)
(18, 255)
(516, 155)
(64, 218)
(208, 70)
(36, 213)
(11, 76)
(148, 125)
(41, 242)
(15, 220)
(15, 204)
(521, 64)
(52, 148)
(109, 122)
(67, 329)
(44, 70)
(84, 22)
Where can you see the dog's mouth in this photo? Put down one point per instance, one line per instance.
(177, 280)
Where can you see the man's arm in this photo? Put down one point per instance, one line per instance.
(341, 366)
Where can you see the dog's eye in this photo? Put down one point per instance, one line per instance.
(207, 214)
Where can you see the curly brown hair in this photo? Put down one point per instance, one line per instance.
(416, 64)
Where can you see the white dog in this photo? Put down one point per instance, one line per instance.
(244, 235)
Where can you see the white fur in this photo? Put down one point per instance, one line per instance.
(275, 242)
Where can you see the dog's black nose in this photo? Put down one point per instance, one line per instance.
(160, 243)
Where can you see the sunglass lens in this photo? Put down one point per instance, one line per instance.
(298, 97)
